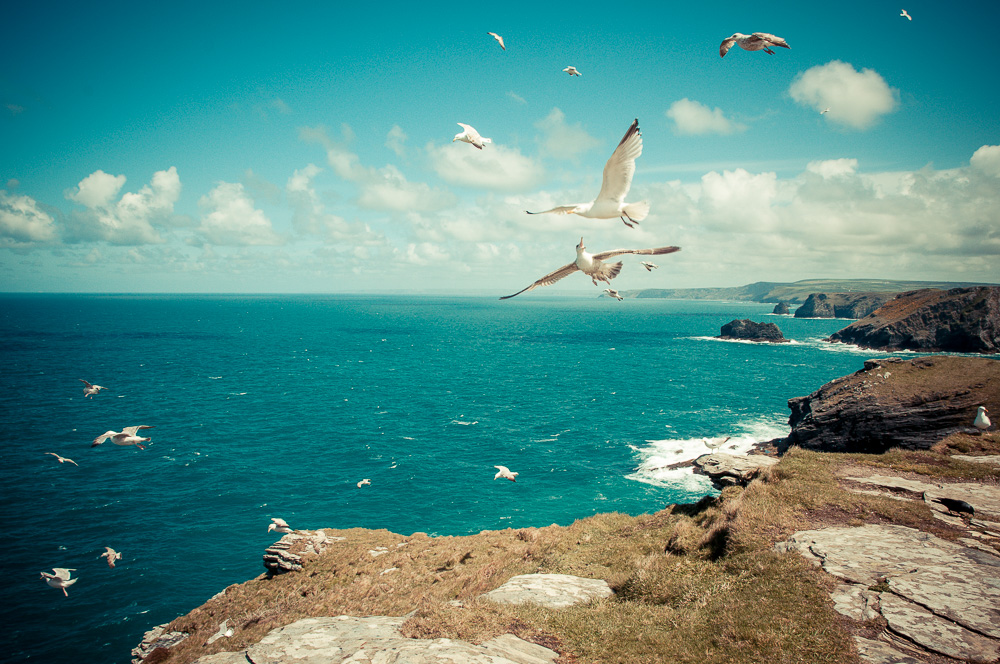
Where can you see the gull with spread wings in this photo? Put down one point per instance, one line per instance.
(758, 41)
(618, 172)
(593, 266)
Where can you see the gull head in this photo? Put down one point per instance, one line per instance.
(580, 247)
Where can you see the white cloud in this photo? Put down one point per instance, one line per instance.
(309, 215)
(97, 189)
(692, 117)
(831, 168)
(855, 99)
(987, 160)
(495, 167)
(396, 140)
(22, 222)
(131, 219)
(563, 141)
(516, 97)
(232, 219)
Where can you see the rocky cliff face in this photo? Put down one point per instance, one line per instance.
(964, 320)
(747, 330)
(894, 403)
(842, 305)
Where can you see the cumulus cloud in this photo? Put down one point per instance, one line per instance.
(128, 220)
(831, 168)
(987, 160)
(856, 99)
(396, 140)
(561, 140)
(22, 222)
(692, 117)
(97, 189)
(309, 215)
(231, 218)
(496, 167)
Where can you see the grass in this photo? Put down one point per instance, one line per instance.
(693, 583)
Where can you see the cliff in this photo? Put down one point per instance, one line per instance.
(964, 320)
(841, 305)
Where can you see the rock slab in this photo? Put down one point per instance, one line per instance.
(555, 591)
(729, 469)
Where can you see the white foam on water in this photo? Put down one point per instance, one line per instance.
(789, 342)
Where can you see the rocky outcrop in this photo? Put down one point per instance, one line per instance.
(285, 555)
(554, 591)
(155, 639)
(841, 305)
(962, 320)
(781, 309)
(730, 470)
(747, 330)
(910, 404)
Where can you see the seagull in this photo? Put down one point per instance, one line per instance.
(498, 38)
(954, 505)
(758, 41)
(982, 422)
(825, 110)
(60, 579)
(571, 70)
(63, 459)
(111, 555)
(715, 443)
(90, 390)
(470, 135)
(364, 482)
(613, 293)
(125, 437)
(905, 15)
(504, 472)
(618, 172)
(649, 266)
(224, 630)
(593, 266)
(280, 525)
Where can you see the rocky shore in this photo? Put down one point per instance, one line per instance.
(841, 305)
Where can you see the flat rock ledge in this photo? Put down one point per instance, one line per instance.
(934, 594)
(728, 469)
(555, 591)
(375, 639)
(285, 555)
(158, 637)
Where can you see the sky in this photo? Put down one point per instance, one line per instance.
(264, 147)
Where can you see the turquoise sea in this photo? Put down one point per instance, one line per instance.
(269, 406)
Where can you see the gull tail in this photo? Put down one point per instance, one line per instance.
(487, 140)
(637, 211)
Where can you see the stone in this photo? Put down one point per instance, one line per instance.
(993, 459)
(938, 635)
(842, 305)
(732, 469)
(880, 652)
(285, 555)
(781, 309)
(555, 591)
(747, 330)
(156, 638)
(985, 498)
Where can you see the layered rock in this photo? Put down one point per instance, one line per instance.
(964, 320)
(729, 469)
(554, 591)
(285, 555)
(747, 330)
(841, 305)
(910, 404)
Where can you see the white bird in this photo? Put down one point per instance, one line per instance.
(572, 71)
(825, 110)
(224, 630)
(470, 135)
(758, 41)
(593, 266)
(280, 525)
(63, 459)
(504, 472)
(364, 482)
(649, 266)
(613, 293)
(905, 15)
(982, 422)
(90, 390)
(111, 555)
(715, 443)
(498, 38)
(618, 172)
(125, 437)
(60, 579)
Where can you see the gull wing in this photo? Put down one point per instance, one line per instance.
(281, 523)
(549, 279)
(604, 255)
(131, 431)
(562, 209)
(725, 46)
(769, 38)
(84, 382)
(103, 437)
(470, 130)
(620, 168)
(62, 573)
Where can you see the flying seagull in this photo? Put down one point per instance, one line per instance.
(498, 38)
(364, 482)
(618, 172)
(593, 266)
(613, 293)
(982, 422)
(649, 266)
(111, 555)
(60, 579)
(125, 437)
(63, 459)
(758, 41)
(905, 15)
(504, 472)
(280, 525)
(825, 110)
(470, 135)
(572, 71)
(90, 390)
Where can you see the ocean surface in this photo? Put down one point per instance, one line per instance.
(277, 406)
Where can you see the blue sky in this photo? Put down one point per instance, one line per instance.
(261, 147)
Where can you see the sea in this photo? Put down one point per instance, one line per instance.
(278, 405)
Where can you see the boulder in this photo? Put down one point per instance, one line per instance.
(286, 554)
(555, 591)
(747, 330)
(781, 309)
(962, 320)
(841, 305)
(728, 469)
(155, 639)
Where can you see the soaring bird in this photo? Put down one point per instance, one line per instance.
(906, 15)
(649, 266)
(470, 135)
(364, 482)
(572, 71)
(498, 38)
(613, 293)
(504, 472)
(63, 459)
(60, 579)
(825, 110)
(280, 525)
(618, 172)
(982, 422)
(955, 505)
(125, 437)
(111, 555)
(758, 41)
(90, 390)
(593, 266)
